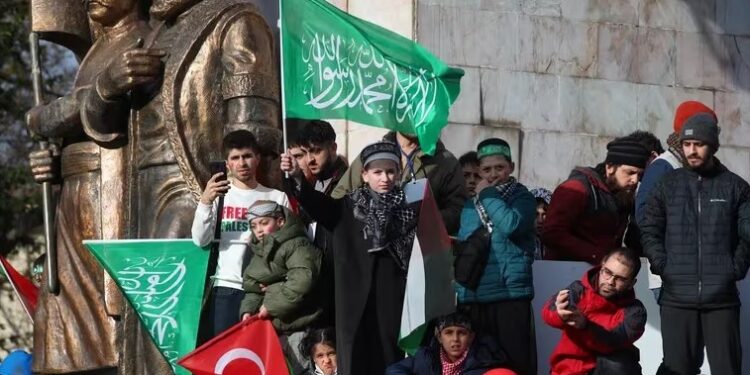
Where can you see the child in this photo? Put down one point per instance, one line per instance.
(319, 346)
(280, 279)
(454, 350)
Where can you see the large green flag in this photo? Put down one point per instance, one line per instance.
(163, 281)
(339, 66)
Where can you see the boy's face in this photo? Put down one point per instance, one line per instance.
(381, 175)
(262, 226)
(455, 341)
(243, 163)
(471, 177)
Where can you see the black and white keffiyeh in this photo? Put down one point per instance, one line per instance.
(389, 221)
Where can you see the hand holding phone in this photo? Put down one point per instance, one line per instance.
(217, 185)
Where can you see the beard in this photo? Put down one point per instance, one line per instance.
(168, 9)
(625, 197)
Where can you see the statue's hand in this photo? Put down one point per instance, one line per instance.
(134, 68)
(45, 164)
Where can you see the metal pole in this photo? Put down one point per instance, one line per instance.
(49, 225)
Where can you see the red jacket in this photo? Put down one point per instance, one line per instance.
(584, 220)
(613, 325)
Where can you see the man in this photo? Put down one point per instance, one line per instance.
(667, 161)
(316, 150)
(588, 212)
(600, 319)
(441, 170)
(470, 166)
(240, 191)
(695, 233)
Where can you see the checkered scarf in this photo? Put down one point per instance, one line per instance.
(452, 368)
(508, 188)
(389, 222)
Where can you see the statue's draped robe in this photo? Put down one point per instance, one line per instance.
(73, 331)
(219, 76)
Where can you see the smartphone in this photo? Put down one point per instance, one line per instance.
(219, 166)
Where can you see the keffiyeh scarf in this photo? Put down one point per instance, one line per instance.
(675, 147)
(452, 368)
(389, 222)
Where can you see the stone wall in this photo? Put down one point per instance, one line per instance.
(560, 78)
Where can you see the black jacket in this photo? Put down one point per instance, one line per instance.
(695, 234)
(484, 354)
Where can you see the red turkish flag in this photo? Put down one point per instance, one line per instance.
(27, 292)
(251, 347)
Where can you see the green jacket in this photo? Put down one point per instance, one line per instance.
(443, 172)
(288, 264)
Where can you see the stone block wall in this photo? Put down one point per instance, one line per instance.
(560, 78)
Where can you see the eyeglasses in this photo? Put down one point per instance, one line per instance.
(609, 275)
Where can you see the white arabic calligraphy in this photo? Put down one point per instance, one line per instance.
(350, 74)
(153, 286)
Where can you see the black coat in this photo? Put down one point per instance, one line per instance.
(695, 235)
(369, 288)
(484, 354)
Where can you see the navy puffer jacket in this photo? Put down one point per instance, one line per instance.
(695, 233)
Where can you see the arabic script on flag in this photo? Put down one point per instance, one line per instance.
(350, 73)
(154, 286)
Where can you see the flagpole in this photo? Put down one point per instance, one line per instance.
(15, 290)
(281, 52)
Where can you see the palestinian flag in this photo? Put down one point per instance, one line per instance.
(429, 288)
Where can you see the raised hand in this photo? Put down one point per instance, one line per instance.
(289, 165)
(214, 189)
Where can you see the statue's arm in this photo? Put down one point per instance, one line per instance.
(249, 84)
(57, 119)
(104, 119)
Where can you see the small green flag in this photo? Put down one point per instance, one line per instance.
(163, 281)
(339, 66)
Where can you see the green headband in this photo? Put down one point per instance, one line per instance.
(493, 149)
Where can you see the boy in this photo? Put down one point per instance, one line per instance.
(280, 279)
(457, 349)
(239, 192)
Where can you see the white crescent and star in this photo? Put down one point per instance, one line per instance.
(239, 353)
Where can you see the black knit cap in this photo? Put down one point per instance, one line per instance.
(455, 319)
(701, 127)
(382, 150)
(627, 152)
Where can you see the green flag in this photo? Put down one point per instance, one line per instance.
(339, 66)
(163, 281)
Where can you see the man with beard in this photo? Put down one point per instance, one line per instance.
(600, 319)
(214, 68)
(588, 212)
(695, 233)
(316, 149)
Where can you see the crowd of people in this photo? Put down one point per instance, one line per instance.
(326, 259)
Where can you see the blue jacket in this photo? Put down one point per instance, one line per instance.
(508, 273)
(653, 173)
(484, 354)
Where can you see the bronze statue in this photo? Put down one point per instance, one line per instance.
(218, 76)
(75, 330)
(157, 105)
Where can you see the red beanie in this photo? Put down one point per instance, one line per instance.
(687, 110)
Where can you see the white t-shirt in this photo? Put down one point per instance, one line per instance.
(235, 229)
